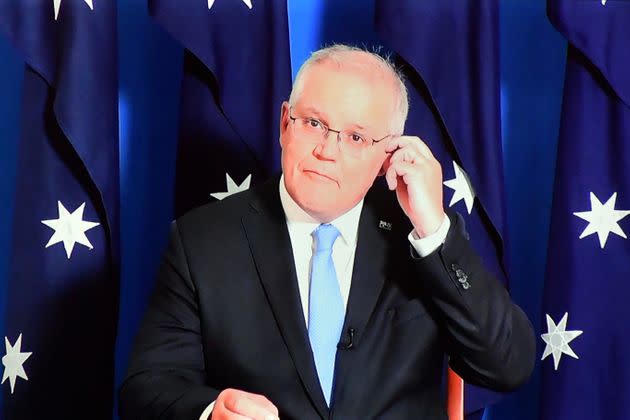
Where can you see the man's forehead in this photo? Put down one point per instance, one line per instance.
(359, 66)
(347, 81)
(345, 84)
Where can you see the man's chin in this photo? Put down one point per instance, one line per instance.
(319, 206)
(314, 202)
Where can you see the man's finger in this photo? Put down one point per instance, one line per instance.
(391, 177)
(404, 141)
(249, 408)
(408, 154)
(263, 401)
(416, 143)
(425, 150)
(397, 143)
(223, 413)
(399, 169)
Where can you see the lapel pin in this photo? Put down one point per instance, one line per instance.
(384, 225)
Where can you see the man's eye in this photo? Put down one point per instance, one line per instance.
(357, 138)
(313, 123)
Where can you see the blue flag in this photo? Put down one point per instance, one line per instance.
(448, 50)
(585, 338)
(62, 297)
(236, 75)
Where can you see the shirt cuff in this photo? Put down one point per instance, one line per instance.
(207, 412)
(425, 246)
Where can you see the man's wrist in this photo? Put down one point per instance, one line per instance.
(428, 225)
(425, 246)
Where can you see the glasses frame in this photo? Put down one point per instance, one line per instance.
(328, 129)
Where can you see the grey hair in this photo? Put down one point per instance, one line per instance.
(340, 54)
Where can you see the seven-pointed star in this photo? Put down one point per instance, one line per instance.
(247, 2)
(603, 219)
(232, 188)
(57, 5)
(558, 338)
(13, 362)
(463, 188)
(69, 228)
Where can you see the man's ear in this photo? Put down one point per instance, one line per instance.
(284, 118)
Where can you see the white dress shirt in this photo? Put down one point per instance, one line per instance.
(300, 225)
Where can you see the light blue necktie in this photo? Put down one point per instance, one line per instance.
(325, 307)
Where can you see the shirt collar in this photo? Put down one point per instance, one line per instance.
(301, 222)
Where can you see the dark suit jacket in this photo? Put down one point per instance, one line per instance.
(226, 313)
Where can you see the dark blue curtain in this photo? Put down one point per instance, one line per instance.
(150, 71)
(585, 341)
(61, 294)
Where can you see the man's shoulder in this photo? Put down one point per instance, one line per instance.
(230, 207)
(226, 214)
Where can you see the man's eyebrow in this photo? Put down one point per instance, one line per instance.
(357, 126)
(322, 116)
(314, 112)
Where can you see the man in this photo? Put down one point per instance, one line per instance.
(316, 296)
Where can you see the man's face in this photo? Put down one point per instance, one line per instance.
(323, 180)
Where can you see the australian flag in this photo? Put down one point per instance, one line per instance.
(236, 75)
(449, 52)
(61, 303)
(586, 341)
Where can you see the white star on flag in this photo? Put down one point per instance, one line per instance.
(232, 188)
(69, 228)
(463, 188)
(13, 362)
(558, 339)
(604, 2)
(247, 2)
(57, 5)
(603, 219)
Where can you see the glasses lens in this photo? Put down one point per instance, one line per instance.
(352, 144)
(309, 130)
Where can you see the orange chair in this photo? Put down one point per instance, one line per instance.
(455, 396)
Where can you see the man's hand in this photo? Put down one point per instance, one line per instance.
(233, 404)
(416, 175)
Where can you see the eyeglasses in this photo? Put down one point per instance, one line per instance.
(312, 130)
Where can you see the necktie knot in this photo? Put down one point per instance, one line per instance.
(325, 236)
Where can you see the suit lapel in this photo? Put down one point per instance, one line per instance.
(368, 278)
(270, 245)
(368, 274)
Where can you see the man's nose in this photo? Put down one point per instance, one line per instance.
(329, 146)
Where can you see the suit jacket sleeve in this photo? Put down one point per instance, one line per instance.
(488, 338)
(166, 375)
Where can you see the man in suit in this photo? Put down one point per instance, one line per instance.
(318, 295)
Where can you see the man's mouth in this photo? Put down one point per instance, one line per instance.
(320, 174)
